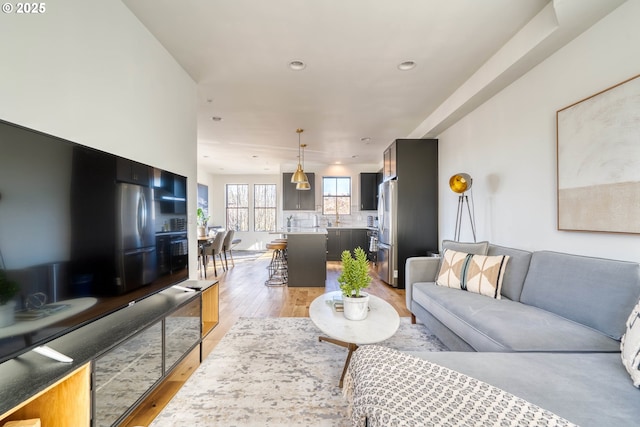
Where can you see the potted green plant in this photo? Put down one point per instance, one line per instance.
(354, 278)
(202, 221)
(8, 290)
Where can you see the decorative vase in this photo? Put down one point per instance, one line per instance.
(202, 231)
(7, 314)
(356, 308)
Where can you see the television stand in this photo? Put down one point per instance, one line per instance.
(47, 351)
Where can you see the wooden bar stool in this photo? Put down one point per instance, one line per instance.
(278, 271)
(281, 241)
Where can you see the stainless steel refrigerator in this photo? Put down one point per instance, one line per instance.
(387, 258)
(136, 240)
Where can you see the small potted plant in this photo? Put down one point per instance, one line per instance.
(8, 289)
(354, 278)
(202, 221)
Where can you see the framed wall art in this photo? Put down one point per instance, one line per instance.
(599, 161)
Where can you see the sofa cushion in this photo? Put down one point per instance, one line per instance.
(630, 346)
(589, 389)
(476, 248)
(488, 324)
(596, 292)
(514, 275)
(479, 274)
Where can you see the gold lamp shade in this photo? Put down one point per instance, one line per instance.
(303, 186)
(299, 176)
(460, 182)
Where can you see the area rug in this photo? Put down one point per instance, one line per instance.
(272, 372)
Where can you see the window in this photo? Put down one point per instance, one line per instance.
(336, 195)
(238, 207)
(264, 207)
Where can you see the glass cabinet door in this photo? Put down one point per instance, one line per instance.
(181, 332)
(125, 373)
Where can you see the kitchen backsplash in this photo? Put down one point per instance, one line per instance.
(306, 219)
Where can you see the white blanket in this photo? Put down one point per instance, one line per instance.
(388, 388)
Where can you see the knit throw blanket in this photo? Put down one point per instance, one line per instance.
(385, 387)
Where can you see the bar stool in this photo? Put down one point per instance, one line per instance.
(281, 241)
(278, 271)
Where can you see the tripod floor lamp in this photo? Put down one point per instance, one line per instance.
(461, 183)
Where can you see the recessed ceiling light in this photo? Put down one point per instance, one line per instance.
(216, 119)
(206, 156)
(365, 139)
(407, 65)
(354, 157)
(254, 156)
(297, 65)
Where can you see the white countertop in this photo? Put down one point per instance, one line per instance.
(301, 230)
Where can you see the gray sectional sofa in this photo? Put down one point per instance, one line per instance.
(552, 339)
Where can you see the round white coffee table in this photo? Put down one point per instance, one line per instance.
(381, 323)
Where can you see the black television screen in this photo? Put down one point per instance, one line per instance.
(83, 233)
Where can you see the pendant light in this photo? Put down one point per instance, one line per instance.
(299, 175)
(303, 185)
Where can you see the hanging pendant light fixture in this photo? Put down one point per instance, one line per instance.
(303, 185)
(299, 175)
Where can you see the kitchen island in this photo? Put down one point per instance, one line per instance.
(306, 256)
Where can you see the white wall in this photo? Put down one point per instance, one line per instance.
(508, 145)
(91, 73)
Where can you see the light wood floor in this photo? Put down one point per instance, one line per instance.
(243, 294)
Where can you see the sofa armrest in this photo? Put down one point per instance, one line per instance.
(419, 269)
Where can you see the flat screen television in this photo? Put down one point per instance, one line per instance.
(83, 233)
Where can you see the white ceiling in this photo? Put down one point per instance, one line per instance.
(238, 52)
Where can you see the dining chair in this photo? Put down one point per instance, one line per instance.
(216, 249)
(227, 245)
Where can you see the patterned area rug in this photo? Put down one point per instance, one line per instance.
(274, 372)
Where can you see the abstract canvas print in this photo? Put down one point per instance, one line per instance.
(599, 161)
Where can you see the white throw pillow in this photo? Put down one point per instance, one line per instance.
(630, 346)
(479, 274)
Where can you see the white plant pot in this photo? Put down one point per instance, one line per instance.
(7, 314)
(356, 308)
(202, 231)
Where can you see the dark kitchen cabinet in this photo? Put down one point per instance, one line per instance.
(298, 200)
(338, 240)
(132, 172)
(359, 238)
(345, 239)
(390, 163)
(369, 190)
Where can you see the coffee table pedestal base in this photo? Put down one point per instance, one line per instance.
(350, 346)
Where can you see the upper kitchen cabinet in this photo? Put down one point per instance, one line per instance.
(132, 172)
(369, 190)
(298, 200)
(390, 164)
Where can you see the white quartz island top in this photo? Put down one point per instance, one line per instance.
(301, 230)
